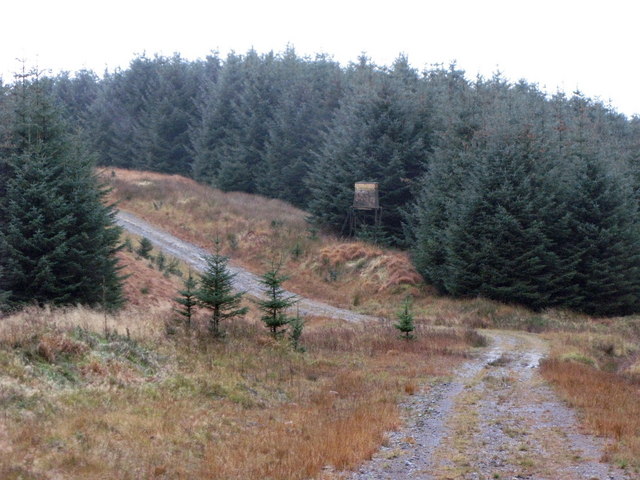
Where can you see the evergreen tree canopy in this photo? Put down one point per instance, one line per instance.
(517, 216)
(405, 320)
(187, 299)
(277, 301)
(375, 137)
(141, 116)
(500, 189)
(58, 238)
(260, 121)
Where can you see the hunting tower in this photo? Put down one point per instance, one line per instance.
(365, 210)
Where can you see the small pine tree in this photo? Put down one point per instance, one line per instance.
(277, 301)
(172, 267)
(145, 247)
(188, 299)
(161, 261)
(127, 245)
(295, 333)
(405, 321)
(216, 291)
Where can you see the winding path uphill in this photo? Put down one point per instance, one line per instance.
(495, 419)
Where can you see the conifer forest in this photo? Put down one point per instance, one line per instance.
(498, 189)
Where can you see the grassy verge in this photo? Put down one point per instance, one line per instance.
(595, 366)
(609, 403)
(81, 404)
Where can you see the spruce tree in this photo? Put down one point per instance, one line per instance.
(296, 325)
(217, 130)
(58, 238)
(216, 291)
(483, 227)
(308, 92)
(76, 93)
(116, 118)
(530, 209)
(188, 299)
(169, 109)
(277, 301)
(375, 137)
(145, 247)
(405, 321)
(603, 251)
(229, 143)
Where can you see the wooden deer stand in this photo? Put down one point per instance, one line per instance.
(365, 210)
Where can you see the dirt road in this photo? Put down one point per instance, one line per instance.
(244, 280)
(495, 419)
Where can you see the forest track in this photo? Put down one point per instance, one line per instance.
(495, 418)
(243, 280)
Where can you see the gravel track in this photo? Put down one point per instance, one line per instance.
(497, 418)
(243, 280)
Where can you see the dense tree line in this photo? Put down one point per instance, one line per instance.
(535, 206)
(499, 189)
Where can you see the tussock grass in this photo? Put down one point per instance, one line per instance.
(34, 321)
(591, 364)
(246, 408)
(375, 269)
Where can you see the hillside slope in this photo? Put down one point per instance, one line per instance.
(256, 231)
(86, 395)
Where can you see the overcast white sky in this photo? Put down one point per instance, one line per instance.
(559, 44)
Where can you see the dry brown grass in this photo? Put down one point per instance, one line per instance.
(609, 403)
(245, 408)
(374, 268)
(145, 287)
(246, 223)
(592, 366)
(135, 403)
